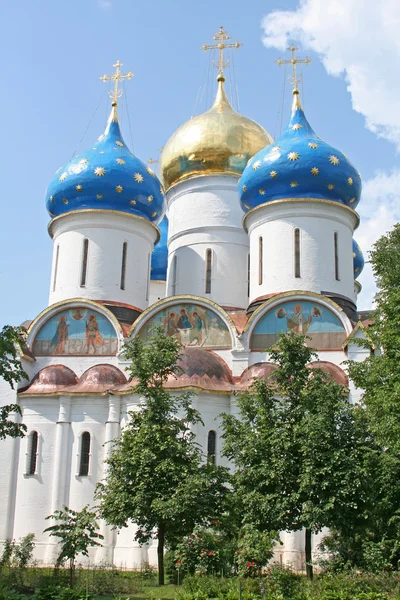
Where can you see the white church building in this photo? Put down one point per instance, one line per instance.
(246, 237)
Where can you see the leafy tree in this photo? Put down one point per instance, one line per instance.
(298, 449)
(77, 531)
(157, 476)
(11, 370)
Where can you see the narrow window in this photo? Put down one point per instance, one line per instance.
(248, 275)
(174, 274)
(211, 446)
(260, 260)
(85, 454)
(84, 262)
(208, 270)
(32, 457)
(297, 252)
(123, 265)
(148, 275)
(56, 267)
(336, 246)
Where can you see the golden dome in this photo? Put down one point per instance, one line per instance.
(217, 141)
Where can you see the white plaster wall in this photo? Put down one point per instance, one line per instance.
(204, 213)
(106, 232)
(317, 221)
(157, 291)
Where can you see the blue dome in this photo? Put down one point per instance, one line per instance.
(299, 165)
(107, 176)
(358, 259)
(159, 258)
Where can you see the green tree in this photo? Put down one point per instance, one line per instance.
(77, 532)
(157, 476)
(297, 449)
(12, 372)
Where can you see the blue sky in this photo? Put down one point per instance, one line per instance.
(53, 53)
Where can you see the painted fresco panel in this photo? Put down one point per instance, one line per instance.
(192, 325)
(299, 316)
(75, 332)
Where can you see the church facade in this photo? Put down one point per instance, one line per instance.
(246, 237)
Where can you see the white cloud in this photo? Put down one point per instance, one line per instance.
(358, 40)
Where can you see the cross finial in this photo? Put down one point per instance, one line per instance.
(221, 37)
(294, 80)
(116, 93)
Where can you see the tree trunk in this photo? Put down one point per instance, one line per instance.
(160, 554)
(308, 549)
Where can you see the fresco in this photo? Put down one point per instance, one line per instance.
(192, 325)
(76, 331)
(299, 316)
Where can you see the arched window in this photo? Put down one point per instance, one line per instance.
(336, 251)
(208, 270)
(297, 252)
(84, 261)
(211, 446)
(260, 260)
(84, 458)
(174, 274)
(123, 265)
(32, 453)
(56, 267)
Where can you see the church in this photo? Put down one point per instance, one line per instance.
(240, 238)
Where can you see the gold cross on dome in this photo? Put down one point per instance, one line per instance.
(293, 61)
(221, 37)
(116, 93)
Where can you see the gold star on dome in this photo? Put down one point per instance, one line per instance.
(63, 176)
(261, 192)
(138, 177)
(119, 189)
(352, 200)
(150, 172)
(150, 198)
(315, 171)
(350, 181)
(65, 200)
(293, 156)
(330, 186)
(273, 174)
(78, 188)
(99, 196)
(244, 188)
(120, 144)
(297, 126)
(293, 184)
(256, 165)
(312, 145)
(132, 202)
(334, 160)
(154, 214)
(120, 161)
(51, 198)
(99, 171)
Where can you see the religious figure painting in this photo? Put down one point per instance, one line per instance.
(192, 325)
(323, 328)
(77, 331)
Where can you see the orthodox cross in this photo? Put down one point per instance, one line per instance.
(116, 93)
(221, 37)
(294, 80)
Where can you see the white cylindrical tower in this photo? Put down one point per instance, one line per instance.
(299, 197)
(208, 250)
(105, 204)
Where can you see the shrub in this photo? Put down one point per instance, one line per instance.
(255, 549)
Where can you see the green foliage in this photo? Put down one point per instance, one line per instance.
(299, 447)
(206, 550)
(77, 532)
(254, 551)
(23, 551)
(8, 550)
(60, 593)
(157, 476)
(11, 370)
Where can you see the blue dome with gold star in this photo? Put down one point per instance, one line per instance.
(299, 165)
(109, 177)
(159, 258)
(358, 259)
